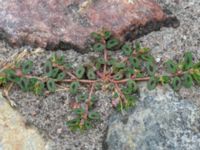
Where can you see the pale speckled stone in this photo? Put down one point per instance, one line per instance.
(14, 135)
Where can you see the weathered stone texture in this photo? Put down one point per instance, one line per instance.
(161, 121)
(67, 23)
(14, 134)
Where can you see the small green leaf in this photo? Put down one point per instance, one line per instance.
(39, 88)
(176, 83)
(74, 87)
(51, 86)
(132, 84)
(164, 80)
(187, 80)
(27, 67)
(147, 58)
(101, 60)
(98, 66)
(127, 91)
(144, 50)
(48, 68)
(11, 75)
(24, 84)
(115, 95)
(131, 101)
(196, 78)
(134, 62)
(80, 72)
(137, 46)
(79, 111)
(74, 123)
(57, 59)
(129, 72)
(112, 43)
(120, 65)
(196, 66)
(93, 98)
(82, 97)
(68, 66)
(152, 83)
(171, 67)
(54, 72)
(118, 76)
(98, 86)
(87, 125)
(107, 35)
(3, 81)
(91, 75)
(60, 60)
(98, 47)
(112, 61)
(32, 82)
(53, 58)
(96, 36)
(94, 116)
(151, 69)
(127, 50)
(60, 76)
(187, 61)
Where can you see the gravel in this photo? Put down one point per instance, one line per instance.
(50, 113)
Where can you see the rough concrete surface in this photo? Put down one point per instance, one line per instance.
(52, 111)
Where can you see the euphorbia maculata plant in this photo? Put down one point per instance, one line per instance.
(117, 74)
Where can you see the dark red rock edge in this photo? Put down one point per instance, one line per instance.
(20, 29)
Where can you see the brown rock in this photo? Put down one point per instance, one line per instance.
(65, 24)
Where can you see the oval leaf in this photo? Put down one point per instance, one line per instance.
(112, 43)
(152, 83)
(94, 116)
(48, 68)
(134, 62)
(151, 69)
(80, 72)
(187, 61)
(107, 35)
(74, 87)
(61, 76)
(51, 86)
(118, 76)
(38, 88)
(176, 83)
(132, 84)
(127, 50)
(23, 84)
(187, 80)
(171, 67)
(54, 72)
(98, 47)
(27, 67)
(91, 75)
(96, 36)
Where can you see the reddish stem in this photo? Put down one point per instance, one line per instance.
(120, 92)
(105, 58)
(88, 103)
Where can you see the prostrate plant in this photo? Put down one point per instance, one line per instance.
(119, 75)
